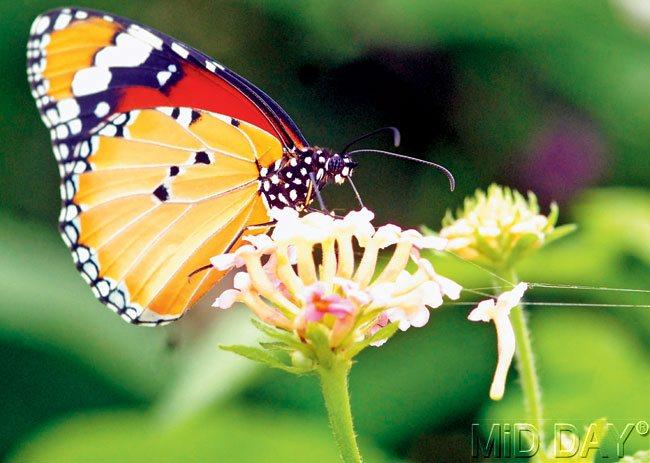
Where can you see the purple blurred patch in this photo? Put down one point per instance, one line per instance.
(564, 159)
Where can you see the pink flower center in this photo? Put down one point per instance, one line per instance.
(319, 304)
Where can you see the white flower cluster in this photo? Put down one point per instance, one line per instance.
(288, 287)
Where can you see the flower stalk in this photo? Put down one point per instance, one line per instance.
(334, 384)
(525, 362)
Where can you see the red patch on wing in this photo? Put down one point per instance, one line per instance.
(199, 89)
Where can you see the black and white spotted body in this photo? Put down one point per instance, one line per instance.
(288, 182)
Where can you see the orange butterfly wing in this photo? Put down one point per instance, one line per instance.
(152, 195)
(154, 180)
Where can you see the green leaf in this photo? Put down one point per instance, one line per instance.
(281, 346)
(384, 333)
(281, 335)
(561, 232)
(553, 215)
(262, 356)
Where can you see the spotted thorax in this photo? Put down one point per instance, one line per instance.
(289, 182)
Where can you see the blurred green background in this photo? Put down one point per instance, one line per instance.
(547, 95)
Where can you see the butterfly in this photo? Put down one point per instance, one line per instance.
(166, 158)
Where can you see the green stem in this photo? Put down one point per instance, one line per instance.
(525, 362)
(334, 382)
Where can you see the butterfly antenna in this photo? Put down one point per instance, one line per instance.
(396, 137)
(450, 177)
(356, 192)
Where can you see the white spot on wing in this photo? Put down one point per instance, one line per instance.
(102, 109)
(90, 80)
(165, 110)
(61, 132)
(109, 130)
(179, 50)
(146, 36)
(62, 21)
(52, 116)
(128, 51)
(82, 254)
(68, 109)
(184, 116)
(41, 24)
(75, 126)
(103, 288)
(163, 77)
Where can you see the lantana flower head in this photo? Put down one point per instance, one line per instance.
(499, 226)
(306, 276)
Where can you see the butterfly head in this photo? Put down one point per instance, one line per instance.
(338, 167)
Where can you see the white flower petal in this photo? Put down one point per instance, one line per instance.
(459, 243)
(381, 293)
(416, 316)
(224, 262)
(483, 311)
(359, 217)
(226, 299)
(358, 224)
(430, 294)
(261, 242)
(533, 224)
(387, 235)
(509, 299)
(449, 288)
(432, 242)
(284, 214)
(420, 317)
(506, 350)
(351, 290)
(242, 281)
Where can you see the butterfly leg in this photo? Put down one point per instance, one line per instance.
(233, 242)
(316, 190)
(248, 228)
